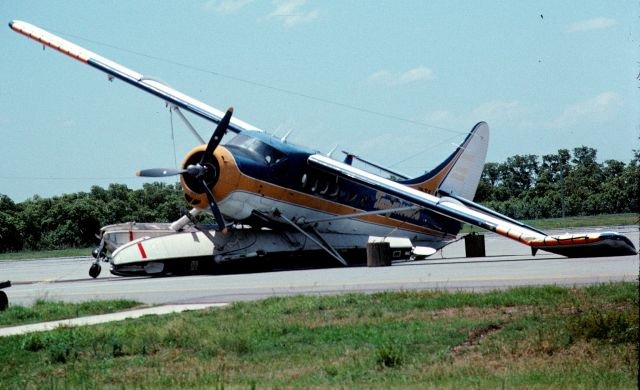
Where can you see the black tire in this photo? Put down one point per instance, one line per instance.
(4, 301)
(95, 269)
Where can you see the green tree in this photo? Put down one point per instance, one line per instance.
(72, 221)
(11, 227)
(563, 183)
(519, 173)
(583, 183)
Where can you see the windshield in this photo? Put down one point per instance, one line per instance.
(257, 149)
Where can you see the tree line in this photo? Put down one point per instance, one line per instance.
(560, 184)
(72, 220)
(522, 187)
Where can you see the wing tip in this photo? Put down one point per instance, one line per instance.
(13, 25)
(17, 25)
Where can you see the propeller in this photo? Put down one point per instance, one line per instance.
(160, 172)
(216, 137)
(203, 171)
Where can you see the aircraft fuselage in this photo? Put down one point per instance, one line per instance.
(259, 173)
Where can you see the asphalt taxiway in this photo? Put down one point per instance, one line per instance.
(507, 264)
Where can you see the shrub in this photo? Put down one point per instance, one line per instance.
(390, 355)
(611, 326)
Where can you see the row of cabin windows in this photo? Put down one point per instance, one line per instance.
(331, 189)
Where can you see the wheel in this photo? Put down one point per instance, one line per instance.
(4, 301)
(95, 269)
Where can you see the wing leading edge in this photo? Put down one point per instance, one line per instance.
(571, 245)
(127, 75)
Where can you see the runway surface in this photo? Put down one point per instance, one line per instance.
(507, 264)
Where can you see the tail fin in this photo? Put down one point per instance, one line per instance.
(460, 173)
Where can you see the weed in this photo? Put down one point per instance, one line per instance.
(60, 352)
(331, 371)
(62, 345)
(181, 333)
(390, 355)
(611, 326)
(34, 342)
(147, 345)
(117, 348)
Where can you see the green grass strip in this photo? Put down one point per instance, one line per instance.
(529, 337)
(24, 255)
(44, 310)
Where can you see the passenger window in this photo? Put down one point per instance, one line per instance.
(335, 193)
(364, 201)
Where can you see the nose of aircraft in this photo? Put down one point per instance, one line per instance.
(202, 174)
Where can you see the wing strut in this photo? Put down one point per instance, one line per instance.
(176, 109)
(362, 214)
(350, 157)
(318, 240)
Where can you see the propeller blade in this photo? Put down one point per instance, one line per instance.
(222, 226)
(160, 172)
(216, 137)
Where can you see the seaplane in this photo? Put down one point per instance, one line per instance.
(273, 199)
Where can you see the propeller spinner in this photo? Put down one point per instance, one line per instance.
(203, 171)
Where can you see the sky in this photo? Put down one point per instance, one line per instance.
(399, 83)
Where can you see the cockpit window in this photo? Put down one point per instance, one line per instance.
(257, 149)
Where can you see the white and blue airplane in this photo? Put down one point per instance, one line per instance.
(286, 199)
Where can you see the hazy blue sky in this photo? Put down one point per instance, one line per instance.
(544, 74)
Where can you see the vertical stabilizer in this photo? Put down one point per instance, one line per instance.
(460, 173)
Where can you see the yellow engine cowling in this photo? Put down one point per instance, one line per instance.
(225, 181)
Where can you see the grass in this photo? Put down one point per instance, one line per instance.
(529, 337)
(43, 310)
(24, 255)
(584, 221)
(573, 222)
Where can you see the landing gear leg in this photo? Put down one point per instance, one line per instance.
(98, 254)
(321, 242)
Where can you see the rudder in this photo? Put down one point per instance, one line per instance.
(460, 173)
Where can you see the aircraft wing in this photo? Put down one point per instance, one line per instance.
(127, 75)
(571, 245)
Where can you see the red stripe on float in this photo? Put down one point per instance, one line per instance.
(142, 252)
